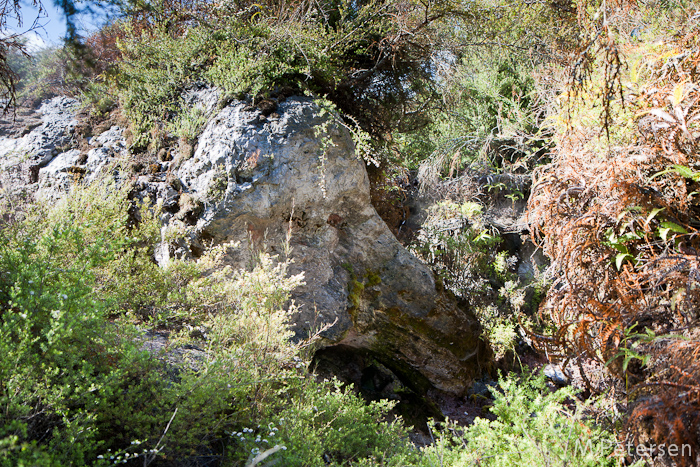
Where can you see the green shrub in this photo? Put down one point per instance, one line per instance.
(533, 426)
(471, 262)
(269, 57)
(188, 125)
(490, 114)
(461, 249)
(154, 72)
(372, 59)
(322, 424)
(56, 346)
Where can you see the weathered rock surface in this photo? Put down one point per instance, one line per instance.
(251, 175)
(203, 97)
(43, 157)
(44, 142)
(255, 170)
(24, 153)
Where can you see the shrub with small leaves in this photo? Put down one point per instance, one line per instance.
(533, 426)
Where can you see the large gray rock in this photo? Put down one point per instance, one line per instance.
(45, 141)
(251, 175)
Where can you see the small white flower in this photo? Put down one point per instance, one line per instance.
(284, 448)
(265, 441)
(272, 433)
(64, 296)
(31, 292)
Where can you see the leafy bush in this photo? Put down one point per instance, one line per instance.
(189, 123)
(491, 115)
(77, 388)
(68, 70)
(42, 75)
(533, 426)
(374, 60)
(269, 59)
(460, 247)
(57, 347)
(322, 424)
(471, 261)
(155, 69)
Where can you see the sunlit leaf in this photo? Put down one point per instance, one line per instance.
(678, 93)
(634, 71)
(681, 170)
(620, 258)
(687, 172)
(652, 214)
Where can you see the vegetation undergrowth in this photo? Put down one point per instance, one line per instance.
(531, 426)
(79, 386)
(337, 50)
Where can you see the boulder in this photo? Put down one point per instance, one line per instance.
(261, 177)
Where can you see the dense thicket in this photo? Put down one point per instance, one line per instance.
(616, 210)
(82, 383)
(597, 101)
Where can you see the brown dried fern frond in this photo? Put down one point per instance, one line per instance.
(668, 407)
(621, 227)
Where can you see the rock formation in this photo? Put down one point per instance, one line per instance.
(251, 175)
(258, 174)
